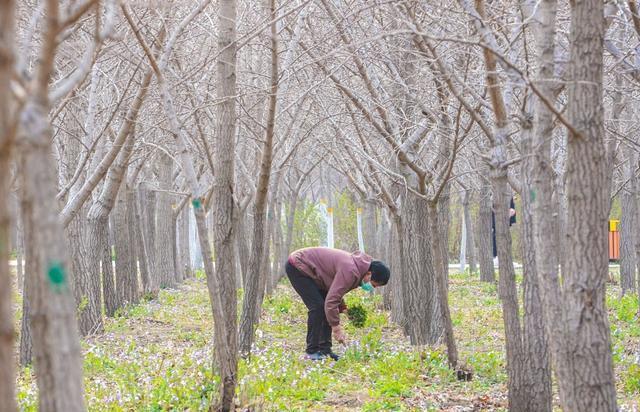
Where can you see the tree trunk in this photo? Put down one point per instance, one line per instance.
(126, 273)
(470, 249)
(541, 194)
(194, 246)
(483, 238)
(183, 244)
(422, 318)
(291, 215)
(628, 221)
(178, 277)
(586, 379)
(627, 238)
(26, 340)
(7, 333)
(165, 228)
(222, 285)
(242, 247)
(507, 290)
(383, 236)
(19, 250)
(441, 270)
(444, 202)
(370, 229)
(277, 235)
(277, 269)
(86, 282)
(463, 243)
(133, 285)
(535, 344)
(56, 344)
(99, 262)
(394, 297)
(266, 265)
(634, 185)
(256, 278)
(147, 224)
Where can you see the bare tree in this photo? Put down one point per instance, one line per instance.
(584, 364)
(56, 344)
(255, 280)
(7, 377)
(222, 285)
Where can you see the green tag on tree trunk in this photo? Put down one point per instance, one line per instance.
(57, 276)
(532, 194)
(197, 203)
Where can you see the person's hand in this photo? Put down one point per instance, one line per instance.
(338, 334)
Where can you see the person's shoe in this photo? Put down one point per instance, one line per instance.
(329, 354)
(315, 356)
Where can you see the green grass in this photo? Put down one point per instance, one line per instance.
(157, 356)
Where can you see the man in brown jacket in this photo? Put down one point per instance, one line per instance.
(322, 276)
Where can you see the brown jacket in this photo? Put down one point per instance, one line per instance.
(333, 270)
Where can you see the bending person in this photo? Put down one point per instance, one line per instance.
(322, 276)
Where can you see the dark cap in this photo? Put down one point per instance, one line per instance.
(379, 272)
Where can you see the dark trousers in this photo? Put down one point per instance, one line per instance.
(318, 329)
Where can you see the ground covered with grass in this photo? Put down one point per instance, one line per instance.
(157, 356)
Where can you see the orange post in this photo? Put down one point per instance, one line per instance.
(614, 240)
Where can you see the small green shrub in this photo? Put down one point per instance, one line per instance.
(358, 315)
